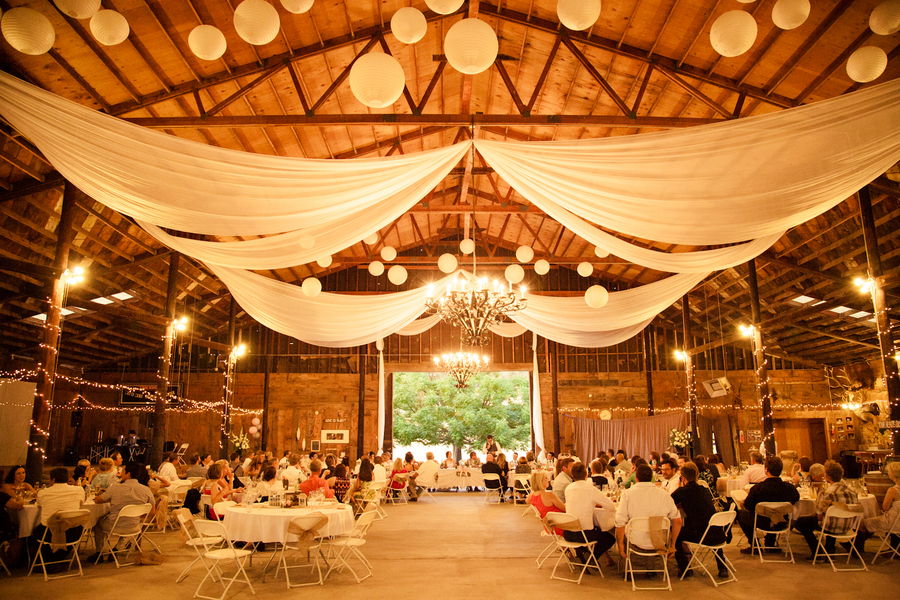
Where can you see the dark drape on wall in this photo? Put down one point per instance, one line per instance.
(704, 433)
(636, 436)
(724, 440)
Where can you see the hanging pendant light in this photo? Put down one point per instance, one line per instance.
(207, 42)
(27, 30)
(471, 46)
(409, 25)
(514, 274)
(376, 268)
(885, 18)
(377, 79)
(109, 27)
(78, 9)
(790, 14)
(585, 269)
(388, 253)
(596, 296)
(524, 254)
(867, 64)
(311, 287)
(297, 7)
(578, 15)
(397, 275)
(444, 7)
(447, 263)
(256, 22)
(733, 33)
(542, 267)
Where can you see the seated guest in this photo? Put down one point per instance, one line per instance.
(716, 463)
(14, 484)
(800, 470)
(396, 481)
(106, 477)
(655, 459)
(448, 462)
(632, 478)
(581, 500)
(755, 473)
(236, 464)
(269, 483)
(611, 458)
(544, 501)
(771, 489)
(891, 506)
(9, 531)
(83, 473)
(285, 460)
(195, 469)
(328, 468)
(360, 490)
(550, 460)
(206, 460)
(315, 482)
(167, 469)
(304, 462)
(563, 477)
(490, 466)
(669, 475)
(598, 468)
(529, 458)
(837, 491)
(120, 495)
(217, 488)
(644, 499)
(118, 463)
(706, 474)
(474, 462)
(412, 467)
(623, 464)
(293, 473)
(697, 505)
(504, 468)
(340, 483)
(817, 475)
(60, 496)
(379, 472)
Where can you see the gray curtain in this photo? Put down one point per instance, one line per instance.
(724, 440)
(635, 436)
(704, 436)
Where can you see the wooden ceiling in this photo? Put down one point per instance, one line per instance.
(646, 65)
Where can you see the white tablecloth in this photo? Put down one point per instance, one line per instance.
(448, 478)
(731, 485)
(807, 507)
(605, 518)
(269, 525)
(30, 516)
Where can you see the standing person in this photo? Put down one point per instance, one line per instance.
(490, 446)
(581, 500)
(120, 495)
(698, 508)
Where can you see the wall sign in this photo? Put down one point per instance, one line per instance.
(335, 436)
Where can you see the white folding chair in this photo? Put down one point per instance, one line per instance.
(298, 526)
(851, 519)
(183, 516)
(426, 479)
(210, 530)
(81, 516)
(179, 456)
(550, 548)
(349, 546)
(886, 547)
(397, 495)
(375, 497)
(3, 548)
(489, 491)
(131, 534)
(176, 502)
(642, 524)
(525, 480)
(755, 545)
(570, 523)
(703, 553)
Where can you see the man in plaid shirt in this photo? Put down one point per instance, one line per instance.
(837, 491)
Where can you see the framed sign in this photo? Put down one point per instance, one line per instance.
(754, 436)
(142, 394)
(335, 436)
(315, 445)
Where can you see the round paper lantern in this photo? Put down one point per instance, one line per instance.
(467, 246)
(207, 42)
(256, 21)
(447, 263)
(78, 9)
(585, 269)
(790, 14)
(733, 33)
(409, 25)
(542, 267)
(377, 79)
(256, 436)
(397, 275)
(746, 1)
(376, 268)
(109, 27)
(471, 46)
(306, 241)
(866, 64)
(514, 273)
(324, 262)
(600, 252)
(311, 287)
(256, 421)
(298, 7)
(388, 253)
(578, 14)
(252, 430)
(372, 239)
(28, 31)
(596, 296)
(444, 7)
(524, 254)
(885, 19)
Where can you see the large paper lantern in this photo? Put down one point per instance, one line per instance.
(324, 262)
(388, 253)
(596, 296)
(372, 239)
(377, 79)
(600, 252)
(311, 287)
(376, 268)
(78, 9)
(467, 246)
(733, 33)
(471, 46)
(397, 275)
(578, 14)
(542, 267)
(885, 19)
(28, 31)
(585, 269)
(109, 27)
(866, 64)
(409, 25)
(207, 42)
(447, 263)
(444, 7)
(306, 241)
(524, 254)
(790, 14)
(256, 21)
(514, 274)
(298, 7)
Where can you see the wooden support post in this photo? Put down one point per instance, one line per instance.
(690, 385)
(645, 337)
(362, 366)
(228, 397)
(882, 318)
(387, 444)
(43, 393)
(759, 360)
(553, 367)
(265, 413)
(157, 440)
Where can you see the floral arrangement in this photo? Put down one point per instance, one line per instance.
(240, 441)
(679, 439)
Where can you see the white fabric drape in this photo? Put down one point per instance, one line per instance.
(508, 330)
(381, 400)
(537, 413)
(716, 184)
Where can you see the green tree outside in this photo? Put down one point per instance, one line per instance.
(429, 409)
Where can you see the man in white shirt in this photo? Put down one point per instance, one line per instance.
(581, 500)
(167, 470)
(379, 473)
(293, 472)
(563, 477)
(490, 446)
(285, 460)
(645, 500)
(756, 472)
(670, 475)
(60, 496)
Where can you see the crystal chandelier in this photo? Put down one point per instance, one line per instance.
(461, 366)
(474, 305)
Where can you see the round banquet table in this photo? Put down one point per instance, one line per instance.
(448, 478)
(269, 525)
(807, 506)
(30, 516)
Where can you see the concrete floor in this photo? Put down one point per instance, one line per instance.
(458, 548)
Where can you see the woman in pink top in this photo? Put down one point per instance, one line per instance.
(544, 501)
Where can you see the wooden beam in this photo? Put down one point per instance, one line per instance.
(540, 82)
(709, 102)
(27, 169)
(832, 335)
(28, 268)
(242, 91)
(596, 75)
(343, 76)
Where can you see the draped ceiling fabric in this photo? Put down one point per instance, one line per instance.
(636, 436)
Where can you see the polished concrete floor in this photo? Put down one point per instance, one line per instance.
(460, 548)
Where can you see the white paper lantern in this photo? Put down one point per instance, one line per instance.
(78, 9)
(252, 430)
(397, 275)
(471, 46)
(256, 21)
(585, 269)
(28, 31)
(596, 296)
(324, 262)
(790, 14)
(377, 79)
(542, 267)
(866, 64)
(376, 268)
(746, 1)
(255, 421)
(447, 263)
(109, 27)
(885, 19)
(514, 274)
(409, 25)
(311, 287)
(524, 254)
(306, 241)
(467, 246)
(372, 239)
(578, 14)
(207, 42)
(444, 7)
(733, 33)
(298, 7)
(600, 252)
(388, 253)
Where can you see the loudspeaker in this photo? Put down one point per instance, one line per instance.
(77, 418)
(169, 447)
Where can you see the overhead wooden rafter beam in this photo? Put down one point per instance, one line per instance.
(592, 70)
(695, 92)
